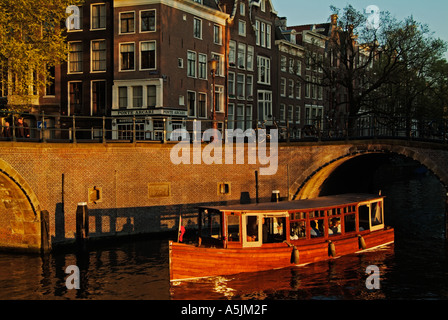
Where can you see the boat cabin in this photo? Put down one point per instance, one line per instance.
(312, 220)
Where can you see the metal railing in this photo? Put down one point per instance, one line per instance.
(88, 129)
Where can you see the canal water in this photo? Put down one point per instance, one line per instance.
(415, 267)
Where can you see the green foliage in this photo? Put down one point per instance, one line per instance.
(32, 39)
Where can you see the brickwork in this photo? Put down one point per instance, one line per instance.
(143, 192)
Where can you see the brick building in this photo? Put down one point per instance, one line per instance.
(146, 66)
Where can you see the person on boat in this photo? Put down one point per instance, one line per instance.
(314, 231)
(334, 227)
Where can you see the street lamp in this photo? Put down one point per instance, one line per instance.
(213, 68)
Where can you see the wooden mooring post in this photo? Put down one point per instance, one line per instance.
(82, 224)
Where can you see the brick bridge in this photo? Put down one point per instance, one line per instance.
(136, 189)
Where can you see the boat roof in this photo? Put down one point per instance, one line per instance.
(308, 204)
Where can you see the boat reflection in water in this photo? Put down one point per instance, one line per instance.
(259, 237)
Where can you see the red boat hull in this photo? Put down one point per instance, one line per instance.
(190, 261)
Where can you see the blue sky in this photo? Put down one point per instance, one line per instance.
(434, 13)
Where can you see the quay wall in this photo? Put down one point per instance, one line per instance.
(135, 188)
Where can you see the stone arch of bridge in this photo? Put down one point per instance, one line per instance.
(20, 223)
(311, 185)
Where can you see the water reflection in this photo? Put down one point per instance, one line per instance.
(137, 270)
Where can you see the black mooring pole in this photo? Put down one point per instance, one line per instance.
(256, 186)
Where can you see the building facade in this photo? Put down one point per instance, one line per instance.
(140, 69)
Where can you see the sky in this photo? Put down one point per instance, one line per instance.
(434, 13)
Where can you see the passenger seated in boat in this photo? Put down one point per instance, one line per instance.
(334, 227)
(314, 231)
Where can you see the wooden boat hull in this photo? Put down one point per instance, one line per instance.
(190, 261)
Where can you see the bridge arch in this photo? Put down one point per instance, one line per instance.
(311, 185)
(20, 219)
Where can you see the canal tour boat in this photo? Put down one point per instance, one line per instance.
(264, 236)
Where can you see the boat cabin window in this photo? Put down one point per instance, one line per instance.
(334, 221)
(252, 228)
(274, 229)
(371, 216)
(233, 228)
(317, 223)
(298, 225)
(350, 223)
(210, 224)
(376, 214)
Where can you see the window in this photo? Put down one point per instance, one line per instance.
(264, 70)
(127, 56)
(148, 55)
(291, 88)
(191, 64)
(197, 28)
(75, 98)
(291, 65)
(290, 114)
(282, 113)
(180, 63)
(263, 34)
(98, 19)
(123, 97)
(75, 57)
(233, 228)
(148, 21)
(250, 58)
(127, 22)
(283, 87)
(50, 87)
(297, 119)
(268, 36)
(202, 105)
(151, 96)
(202, 67)
(298, 89)
(298, 67)
(99, 55)
(240, 86)
(231, 85)
(264, 105)
(242, 28)
(219, 98)
(191, 103)
(242, 9)
(240, 116)
(137, 97)
(307, 87)
(217, 34)
(230, 118)
(232, 53)
(334, 221)
(317, 223)
(257, 32)
(98, 98)
(283, 62)
(241, 55)
(298, 225)
(248, 117)
(249, 86)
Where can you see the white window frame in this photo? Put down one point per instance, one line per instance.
(264, 63)
(155, 55)
(197, 20)
(119, 54)
(91, 16)
(119, 23)
(140, 21)
(91, 55)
